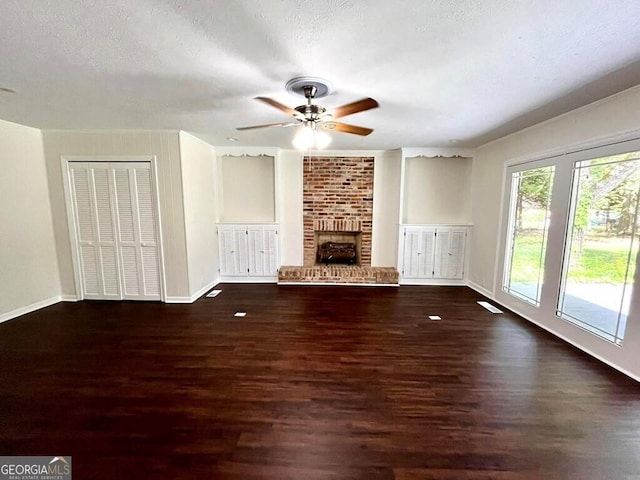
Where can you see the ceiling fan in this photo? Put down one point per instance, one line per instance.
(312, 115)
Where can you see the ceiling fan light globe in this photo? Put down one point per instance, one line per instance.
(322, 139)
(303, 139)
(308, 137)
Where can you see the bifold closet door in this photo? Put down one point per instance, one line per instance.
(136, 227)
(116, 230)
(95, 227)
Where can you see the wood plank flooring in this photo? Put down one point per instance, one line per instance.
(314, 383)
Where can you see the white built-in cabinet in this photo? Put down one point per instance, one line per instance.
(248, 250)
(116, 230)
(433, 253)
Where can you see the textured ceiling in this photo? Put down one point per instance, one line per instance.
(441, 70)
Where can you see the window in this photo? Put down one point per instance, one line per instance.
(601, 245)
(568, 254)
(527, 234)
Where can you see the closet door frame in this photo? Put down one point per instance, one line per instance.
(66, 160)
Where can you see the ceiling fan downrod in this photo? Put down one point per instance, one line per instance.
(309, 92)
(310, 112)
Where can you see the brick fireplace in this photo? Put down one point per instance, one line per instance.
(337, 198)
(338, 206)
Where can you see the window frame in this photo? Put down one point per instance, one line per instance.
(617, 337)
(546, 313)
(509, 247)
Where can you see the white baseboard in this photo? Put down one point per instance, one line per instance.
(204, 290)
(433, 282)
(29, 308)
(178, 300)
(69, 298)
(481, 290)
(248, 279)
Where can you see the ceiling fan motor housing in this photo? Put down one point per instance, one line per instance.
(310, 112)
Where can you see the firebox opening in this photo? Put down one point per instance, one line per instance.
(337, 247)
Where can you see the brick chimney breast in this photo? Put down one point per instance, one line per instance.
(337, 197)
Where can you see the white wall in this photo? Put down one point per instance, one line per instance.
(289, 168)
(387, 170)
(29, 270)
(248, 189)
(165, 146)
(437, 190)
(199, 181)
(606, 121)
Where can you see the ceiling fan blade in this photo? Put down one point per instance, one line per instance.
(288, 124)
(355, 107)
(278, 105)
(346, 128)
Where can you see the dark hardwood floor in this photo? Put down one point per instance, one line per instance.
(314, 383)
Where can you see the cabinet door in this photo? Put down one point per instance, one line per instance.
(248, 250)
(262, 250)
(255, 237)
(227, 250)
(270, 250)
(450, 253)
(232, 246)
(418, 252)
(241, 257)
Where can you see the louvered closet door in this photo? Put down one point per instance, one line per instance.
(136, 226)
(95, 226)
(449, 255)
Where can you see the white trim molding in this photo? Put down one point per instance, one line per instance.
(481, 290)
(18, 312)
(204, 290)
